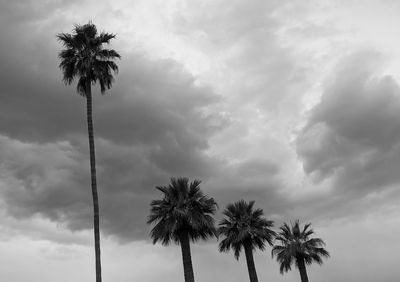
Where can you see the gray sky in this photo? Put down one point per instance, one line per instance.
(294, 104)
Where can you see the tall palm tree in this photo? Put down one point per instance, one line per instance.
(183, 214)
(85, 59)
(245, 227)
(296, 245)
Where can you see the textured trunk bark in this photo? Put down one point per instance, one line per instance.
(302, 270)
(186, 257)
(96, 215)
(250, 262)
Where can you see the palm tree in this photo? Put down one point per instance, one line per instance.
(85, 58)
(245, 227)
(183, 214)
(297, 246)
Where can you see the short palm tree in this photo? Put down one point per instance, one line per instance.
(85, 59)
(296, 245)
(184, 214)
(245, 227)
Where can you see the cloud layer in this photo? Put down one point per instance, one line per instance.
(153, 124)
(352, 135)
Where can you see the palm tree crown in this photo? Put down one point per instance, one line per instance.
(183, 209)
(297, 246)
(84, 57)
(244, 225)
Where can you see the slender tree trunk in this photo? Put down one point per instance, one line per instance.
(96, 215)
(302, 270)
(186, 257)
(250, 262)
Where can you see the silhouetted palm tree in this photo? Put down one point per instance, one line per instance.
(85, 59)
(297, 246)
(183, 214)
(245, 227)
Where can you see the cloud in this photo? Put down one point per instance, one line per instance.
(52, 181)
(243, 40)
(160, 120)
(352, 136)
(153, 124)
(210, 90)
(150, 126)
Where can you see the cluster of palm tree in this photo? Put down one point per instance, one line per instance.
(185, 214)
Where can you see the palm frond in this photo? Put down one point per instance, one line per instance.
(107, 54)
(105, 37)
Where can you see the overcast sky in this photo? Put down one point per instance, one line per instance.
(294, 104)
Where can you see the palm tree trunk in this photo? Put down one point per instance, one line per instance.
(186, 257)
(302, 270)
(250, 262)
(96, 215)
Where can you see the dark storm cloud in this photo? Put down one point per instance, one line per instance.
(41, 178)
(154, 104)
(152, 125)
(51, 180)
(353, 134)
(33, 106)
(149, 127)
(152, 99)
